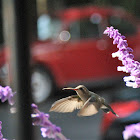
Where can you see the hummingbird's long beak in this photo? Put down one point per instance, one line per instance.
(69, 88)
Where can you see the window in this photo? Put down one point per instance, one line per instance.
(123, 25)
(47, 27)
(88, 29)
(75, 30)
(84, 28)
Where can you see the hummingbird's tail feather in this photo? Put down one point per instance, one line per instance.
(114, 112)
(108, 108)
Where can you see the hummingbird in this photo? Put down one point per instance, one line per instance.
(87, 101)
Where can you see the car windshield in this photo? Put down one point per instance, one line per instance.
(47, 27)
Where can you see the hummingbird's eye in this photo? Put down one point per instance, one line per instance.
(82, 90)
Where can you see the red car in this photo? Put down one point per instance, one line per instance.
(126, 103)
(76, 51)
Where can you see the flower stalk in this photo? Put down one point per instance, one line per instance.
(48, 129)
(1, 135)
(6, 93)
(125, 55)
(131, 130)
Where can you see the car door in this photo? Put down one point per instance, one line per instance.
(85, 54)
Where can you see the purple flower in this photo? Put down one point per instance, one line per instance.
(7, 94)
(124, 54)
(1, 136)
(131, 130)
(48, 129)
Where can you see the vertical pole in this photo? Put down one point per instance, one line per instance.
(22, 67)
(18, 37)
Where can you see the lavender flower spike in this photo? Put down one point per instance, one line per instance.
(131, 130)
(124, 54)
(1, 136)
(48, 130)
(7, 94)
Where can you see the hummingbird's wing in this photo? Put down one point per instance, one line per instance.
(68, 104)
(89, 108)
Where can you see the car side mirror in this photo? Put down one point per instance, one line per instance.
(64, 36)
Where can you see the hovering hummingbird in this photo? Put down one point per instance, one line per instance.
(88, 102)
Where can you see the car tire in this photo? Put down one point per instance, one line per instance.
(42, 84)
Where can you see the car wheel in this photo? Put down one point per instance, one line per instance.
(42, 84)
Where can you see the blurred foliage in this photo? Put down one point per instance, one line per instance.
(77, 2)
(1, 35)
(130, 5)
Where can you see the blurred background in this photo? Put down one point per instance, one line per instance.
(67, 48)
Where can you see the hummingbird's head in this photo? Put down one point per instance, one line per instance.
(81, 90)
